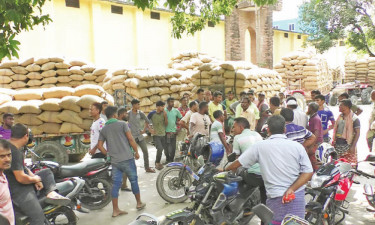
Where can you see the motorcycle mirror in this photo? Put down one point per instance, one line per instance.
(232, 157)
(201, 160)
(370, 158)
(264, 213)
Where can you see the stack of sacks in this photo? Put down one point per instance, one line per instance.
(115, 80)
(371, 69)
(48, 72)
(304, 69)
(238, 76)
(361, 69)
(190, 61)
(350, 70)
(57, 110)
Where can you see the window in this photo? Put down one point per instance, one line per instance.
(286, 35)
(155, 15)
(342, 43)
(291, 26)
(210, 24)
(116, 9)
(299, 36)
(275, 27)
(72, 3)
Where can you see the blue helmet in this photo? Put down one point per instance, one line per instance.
(325, 153)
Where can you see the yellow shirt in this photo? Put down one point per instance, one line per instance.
(251, 115)
(212, 108)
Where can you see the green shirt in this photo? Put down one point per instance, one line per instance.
(172, 119)
(158, 123)
(227, 104)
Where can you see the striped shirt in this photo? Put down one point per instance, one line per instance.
(297, 133)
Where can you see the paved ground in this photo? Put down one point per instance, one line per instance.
(157, 206)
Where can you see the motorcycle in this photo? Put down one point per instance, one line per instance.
(96, 193)
(368, 189)
(58, 214)
(218, 198)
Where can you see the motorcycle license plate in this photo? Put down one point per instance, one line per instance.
(201, 170)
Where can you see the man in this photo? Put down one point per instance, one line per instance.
(200, 95)
(282, 100)
(234, 105)
(325, 115)
(104, 106)
(315, 126)
(275, 105)
(263, 114)
(6, 207)
(185, 121)
(346, 132)
(200, 122)
(230, 114)
(8, 121)
(314, 93)
(184, 106)
(248, 110)
(122, 115)
(285, 169)
(96, 127)
(252, 98)
(217, 133)
(243, 140)
(300, 117)
(207, 96)
(181, 131)
(215, 105)
(134, 118)
(173, 115)
(356, 109)
(370, 133)
(23, 184)
(122, 149)
(159, 121)
(186, 96)
(297, 133)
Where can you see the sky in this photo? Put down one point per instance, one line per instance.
(289, 10)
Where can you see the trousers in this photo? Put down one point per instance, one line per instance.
(160, 145)
(130, 169)
(143, 145)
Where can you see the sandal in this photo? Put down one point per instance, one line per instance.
(150, 170)
(143, 205)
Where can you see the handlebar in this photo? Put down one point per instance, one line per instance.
(361, 173)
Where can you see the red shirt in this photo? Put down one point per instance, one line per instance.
(315, 126)
(183, 113)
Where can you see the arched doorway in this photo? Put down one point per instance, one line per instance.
(250, 45)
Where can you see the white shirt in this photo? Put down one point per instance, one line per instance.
(202, 124)
(96, 127)
(187, 117)
(300, 118)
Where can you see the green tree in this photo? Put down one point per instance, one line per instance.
(17, 16)
(327, 21)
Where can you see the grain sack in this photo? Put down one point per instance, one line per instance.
(19, 77)
(28, 95)
(51, 104)
(4, 98)
(87, 100)
(76, 77)
(56, 59)
(49, 80)
(63, 72)
(155, 98)
(32, 83)
(58, 92)
(165, 97)
(85, 114)
(100, 78)
(8, 63)
(19, 70)
(6, 72)
(50, 128)
(118, 86)
(99, 72)
(64, 79)
(33, 68)
(238, 83)
(17, 84)
(49, 73)
(77, 63)
(88, 68)
(5, 80)
(119, 79)
(89, 76)
(31, 106)
(35, 130)
(48, 66)
(26, 62)
(134, 83)
(203, 82)
(138, 93)
(88, 89)
(11, 107)
(34, 75)
(175, 88)
(86, 124)
(30, 119)
(70, 116)
(67, 128)
(201, 75)
(76, 70)
(89, 82)
(145, 101)
(62, 65)
(41, 61)
(155, 90)
(49, 117)
(70, 103)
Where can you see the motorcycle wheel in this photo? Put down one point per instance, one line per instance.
(63, 215)
(180, 221)
(167, 184)
(98, 186)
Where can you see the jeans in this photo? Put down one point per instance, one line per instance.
(29, 203)
(160, 145)
(130, 169)
(170, 140)
(144, 149)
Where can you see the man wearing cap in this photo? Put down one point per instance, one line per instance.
(300, 117)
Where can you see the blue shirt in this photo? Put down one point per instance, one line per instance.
(281, 162)
(325, 116)
(297, 133)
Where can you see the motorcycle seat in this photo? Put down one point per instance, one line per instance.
(82, 168)
(65, 187)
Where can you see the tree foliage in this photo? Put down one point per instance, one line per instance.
(17, 16)
(327, 21)
(192, 16)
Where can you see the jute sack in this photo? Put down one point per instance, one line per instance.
(5, 80)
(138, 93)
(202, 82)
(100, 78)
(89, 76)
(165, 97)
(174, 81)
(87, 100)
(77, 63)
(34, 75)
(88, 68)
(19, 70)
(155, 90)
(26, 62)
(201, 75)
(64, 79)
(6, 72)
(20, 77)
(76, 77)
(58, 92)
(76, 70)
(155, 98)
(17, 84)
(41, 61)
(5, 98)
(49, 73)
(5, 86)
(62, 65)
(48, 66)
(34, 83)
(89, 82)
(30, 119)
(217, 71)
(117, 86)
(135, 83)
(51, 104)
(70, 116)
(31, 106)
(86, 124)
(165, 90)
(49, 80)
(24, 95)
(33, 68)
(85, 114)
(175, 88)
(49, 117)
(99, 72)
(238, 83)
(63, 72)
(88, 89)
(145, 101)
(35, 130)
(50, 128)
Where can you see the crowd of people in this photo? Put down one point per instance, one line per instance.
(280, 165)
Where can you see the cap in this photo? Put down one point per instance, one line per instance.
(291, 102)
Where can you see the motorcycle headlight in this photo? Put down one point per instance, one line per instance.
(317, 181)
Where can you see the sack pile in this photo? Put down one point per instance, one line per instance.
(304, 70)
(190, 61)
(238, 76)
(362, 70)
(57, 110)
(48, 72)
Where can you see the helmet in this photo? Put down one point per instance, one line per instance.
(325, 153)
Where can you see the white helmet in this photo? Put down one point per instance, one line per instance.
(325, 153)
